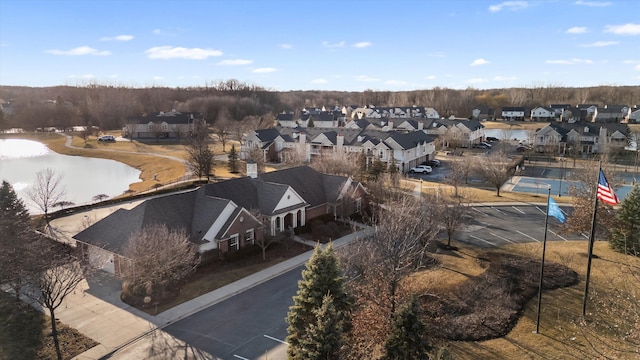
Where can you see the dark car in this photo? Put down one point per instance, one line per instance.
(492, 139)
(481, 145)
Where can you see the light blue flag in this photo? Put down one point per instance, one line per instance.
(554, 210)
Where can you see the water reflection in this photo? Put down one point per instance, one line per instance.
(82, 177)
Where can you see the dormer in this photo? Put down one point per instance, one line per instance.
(586, 129)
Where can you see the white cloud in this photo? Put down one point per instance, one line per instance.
(395, 82)
(577, 30)
(319, 81)
(169, 52)
(430, 77)
(235, 62)
(593, 3)
(156, 31)
(117, 38)
(336, 45)
(285, 46)
(626, 29)
(438, 54)
(509, 5)
(504, 78)
(477, 81)
(366, 78)
(637, 67)
(570, 62)
(362, 44)
(84, 76)
(600, 44)
(478, 62)
(264, 70)
(82, 50)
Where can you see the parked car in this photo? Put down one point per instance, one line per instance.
(492, 139)
(107, 138)
(434, 163)
(523, 148)
(422, 169)
(482, 145)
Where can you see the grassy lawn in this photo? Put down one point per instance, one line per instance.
(610, 329)
(25, 333)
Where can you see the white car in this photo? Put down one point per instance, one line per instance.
(422, 169)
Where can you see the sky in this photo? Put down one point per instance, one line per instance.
(344, 45)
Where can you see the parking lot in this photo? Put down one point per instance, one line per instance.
(493, 226)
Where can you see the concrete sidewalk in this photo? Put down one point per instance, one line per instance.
(95, 308)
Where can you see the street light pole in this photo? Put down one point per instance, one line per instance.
(562, 161)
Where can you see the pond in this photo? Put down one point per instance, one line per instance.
(82, 177)
(507, 134)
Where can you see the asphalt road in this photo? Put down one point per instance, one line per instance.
(246, 326)
(251, 325)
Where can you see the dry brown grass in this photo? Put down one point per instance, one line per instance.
(610, 329)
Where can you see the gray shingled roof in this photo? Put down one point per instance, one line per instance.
(306, 181)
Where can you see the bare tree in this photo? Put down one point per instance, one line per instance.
(495, 169)
(54, 283)
(221, 127)
(459, 174)
(200, 158)
(47, 191)
(159, 257)
(157, 130)
(452, 213)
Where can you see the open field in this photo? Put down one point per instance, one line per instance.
(610, 329)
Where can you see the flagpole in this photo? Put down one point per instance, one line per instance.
(544, 248)
(592, 238)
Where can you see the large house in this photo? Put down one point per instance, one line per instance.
(403, 150)
(228, 215)
(584, 137)
(171, 124)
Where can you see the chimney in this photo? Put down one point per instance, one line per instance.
(420, 125)
(252, 169)
(340, 140)
(303, 138)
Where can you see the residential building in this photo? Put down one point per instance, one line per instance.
(172, 124)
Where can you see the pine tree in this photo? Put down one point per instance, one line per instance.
(407, 336)
(323, 339)
(15, 237)
(625, 237)
(320, 277)
(233, 159)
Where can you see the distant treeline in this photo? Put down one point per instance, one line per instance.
(108, 107)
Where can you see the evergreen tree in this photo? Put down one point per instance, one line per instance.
(233, 159)
(625, 237)
(323, 339)
(15, 237)
(407, 341)
(320, 277)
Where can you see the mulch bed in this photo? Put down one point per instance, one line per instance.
(488, 306)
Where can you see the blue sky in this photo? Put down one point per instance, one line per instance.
(343, 45)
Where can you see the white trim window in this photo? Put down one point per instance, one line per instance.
(234, 242)
(249, 237)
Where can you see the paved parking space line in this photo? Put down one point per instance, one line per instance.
(479, 211)
(503, 238)
(557, 235)
(483, 240)
(532, 238)
(585, 235)
(239, 357)
(275, 339)
(566, 213)
(537, 207)
(520, 211)
(498, 210)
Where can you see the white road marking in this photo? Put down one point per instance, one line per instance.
(566, 213)
(239, 357)
(479, 211)
(483, 240)
(557, 235)
(585, 235)
(274, 339)
(500, 237)
(532, 238)
(521, 212)
(537, 207)
(497, 210)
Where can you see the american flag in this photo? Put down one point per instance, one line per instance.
(605, 192)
